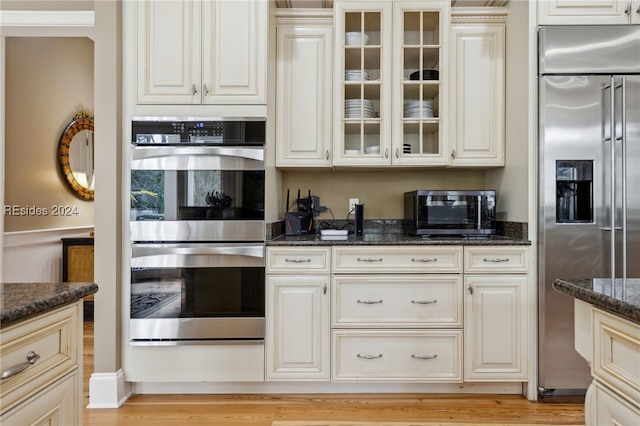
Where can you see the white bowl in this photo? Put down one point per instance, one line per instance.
(372, 150)
(356, 39)
(352, 152)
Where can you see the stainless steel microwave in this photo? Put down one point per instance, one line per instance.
(450, 212)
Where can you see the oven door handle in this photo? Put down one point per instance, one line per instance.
(196, 255)
(155, 152)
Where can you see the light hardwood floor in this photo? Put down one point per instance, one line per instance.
(262, 410)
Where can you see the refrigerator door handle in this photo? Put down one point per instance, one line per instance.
(623, 167)
(612, 172)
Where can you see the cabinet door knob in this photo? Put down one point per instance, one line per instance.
(327, 154)
(453, 154)
(193, 89)
(386, 153)
(206, 90)
(397, 153)
(627, 10)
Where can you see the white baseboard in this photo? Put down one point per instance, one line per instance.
(108, 390)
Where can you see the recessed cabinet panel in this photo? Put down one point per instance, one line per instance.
(495, 325)
(201, 52)
(588, 12)
(303, 100)
(477, 78)
(234, 51)
(168, 52)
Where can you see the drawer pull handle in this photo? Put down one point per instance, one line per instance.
(298, 260)
(32, 357)
(435, 259)
(425, 302)
(496, 259)
(369, 356)
(369, 302)
(414, 356)
(369, 259)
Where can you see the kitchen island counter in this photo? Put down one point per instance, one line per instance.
(622, 299)
(21, 301)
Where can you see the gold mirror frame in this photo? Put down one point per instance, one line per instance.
(82, 121)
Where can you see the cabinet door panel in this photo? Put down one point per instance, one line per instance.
(168, 55)
(565, 12)
(234, 51)
(477, 78)
(303, 100)
(297, 335)
(495, 325)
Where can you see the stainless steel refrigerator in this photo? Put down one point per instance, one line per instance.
(589, 179)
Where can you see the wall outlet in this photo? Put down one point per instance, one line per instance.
(352, 203)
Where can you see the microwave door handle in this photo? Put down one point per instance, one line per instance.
(479, 212)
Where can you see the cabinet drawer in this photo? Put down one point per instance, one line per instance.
(58, 404)
(400, 355)
(298, 259)
(616, 358)
(496, 259)
(397, 259)
(403, 301)
(53, 337)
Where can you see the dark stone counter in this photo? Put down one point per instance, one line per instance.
(622, 299)
(21, 301)
(372, 239)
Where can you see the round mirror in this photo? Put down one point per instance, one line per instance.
(75, 155)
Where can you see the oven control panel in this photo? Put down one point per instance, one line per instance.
(202, 132)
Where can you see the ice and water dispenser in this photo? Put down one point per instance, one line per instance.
(574, 191)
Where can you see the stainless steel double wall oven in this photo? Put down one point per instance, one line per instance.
(197, 231)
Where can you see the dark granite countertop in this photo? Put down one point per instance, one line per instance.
(21, 301)
(372, 239)
(622, 299)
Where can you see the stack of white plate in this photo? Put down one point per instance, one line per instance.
(356, 39)
(356, 75)
(355, 108)
(418, 109)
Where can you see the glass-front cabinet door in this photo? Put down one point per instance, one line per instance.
(420, 36)
(363, 83)
(391, 83)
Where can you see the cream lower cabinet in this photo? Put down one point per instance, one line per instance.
(49, 390)
(614, 395)
(397, 314)
(477, 77)
(201, 51)
(495, 314)
(297, 314)
(305, 83)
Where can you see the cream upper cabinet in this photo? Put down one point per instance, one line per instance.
(201, 52)
(585, 12)
(390, 83)
(420, 83)
(477, 93)
(304, 80)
